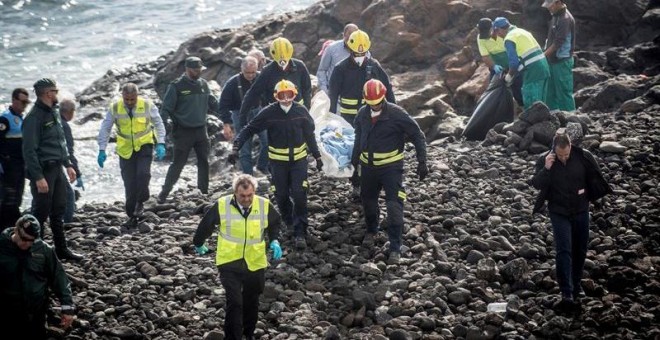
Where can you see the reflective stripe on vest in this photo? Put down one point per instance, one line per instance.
(349, 106)
(381, 158)
(240, 237)
(134, 132)
(527, 48)
(287, 154)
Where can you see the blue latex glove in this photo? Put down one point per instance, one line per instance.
(160, 151)
(80, 184)
(277, 250)
(498, 69)
(101, 158)
(201, 250)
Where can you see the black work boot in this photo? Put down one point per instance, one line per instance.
(67, 254)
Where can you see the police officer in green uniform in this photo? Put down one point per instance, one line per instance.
(45, 153)
(29, 270)
(243, 220)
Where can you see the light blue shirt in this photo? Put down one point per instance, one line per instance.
(333, 54)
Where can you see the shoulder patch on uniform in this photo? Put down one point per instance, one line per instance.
(3, 127)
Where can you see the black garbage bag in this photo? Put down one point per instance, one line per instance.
(494, 106)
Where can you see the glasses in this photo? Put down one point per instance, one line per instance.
(55, 90)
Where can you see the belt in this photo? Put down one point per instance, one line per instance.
(50, 164)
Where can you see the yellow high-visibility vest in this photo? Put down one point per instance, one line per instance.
(134, 132)
(240, 237)
(527, 47)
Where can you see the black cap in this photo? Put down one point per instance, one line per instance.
(194, 62)
(484, 26)
(44, 83)
(29, 225)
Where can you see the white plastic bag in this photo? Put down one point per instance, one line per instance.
(320, 112)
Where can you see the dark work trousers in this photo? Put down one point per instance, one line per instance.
(184, 140)
(290, 181)
(70, 204)
(389, 178)
(136, 173)
(245, 154)
(242, 290)
(13, 181)
(51, 204)
(28, 325)
(571, 234)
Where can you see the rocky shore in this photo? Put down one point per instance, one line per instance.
(470, 238)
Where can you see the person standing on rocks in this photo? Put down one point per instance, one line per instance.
(559, 49)
(45, 153)
(381, 130)
(229, 109)
(12, 165)
(241, 220)
(290, 136)
(67, 111)
(136, 119)
(283, 66)
(493, 54)
(568, 177)
(332, 55)
(187, 101)
(29, 268)
(524, 52)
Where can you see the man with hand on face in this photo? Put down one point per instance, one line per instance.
(136, 118)
(290, 135)
(29, 269)
(283, 66)
(241, 220)
(229, 109)
(45, 153)
(187, 101)
(381, 130)
(569, 177)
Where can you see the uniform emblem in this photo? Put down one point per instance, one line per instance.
(3, 127)
(17, 120)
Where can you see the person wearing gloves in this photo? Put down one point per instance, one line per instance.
(524, 53)
(67, 111)
(136, 119)
(493, 54)
(29, 270)
(381, 130)
(290, 135)
(241, 220)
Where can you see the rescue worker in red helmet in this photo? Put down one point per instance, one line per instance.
(350, 74)
(381, 130)
(290, 131)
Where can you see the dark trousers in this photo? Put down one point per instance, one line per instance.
(571, 234)
(242, 290)
(389, 178)
(290, 181)
(51, 204)
(136, 173)
(245, 154)
(28, 325)
(186, 139)
(70, 204)
(13, 184)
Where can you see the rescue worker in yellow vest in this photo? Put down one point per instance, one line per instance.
(381, 130)
(493, 54)
(525, 55)
(136, 119)
(290, 138)
(242, 221)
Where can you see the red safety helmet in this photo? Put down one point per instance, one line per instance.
(374, 92)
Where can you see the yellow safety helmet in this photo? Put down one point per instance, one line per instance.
(281, 50)
(284, 86)
(359, 42)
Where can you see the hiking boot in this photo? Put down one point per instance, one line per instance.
(394, 258)
(300, 242)
(369, 240)
(131, 223)
(162, 197)
(566, 306)
(67, 254)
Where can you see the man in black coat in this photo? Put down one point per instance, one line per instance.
(569, 177)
